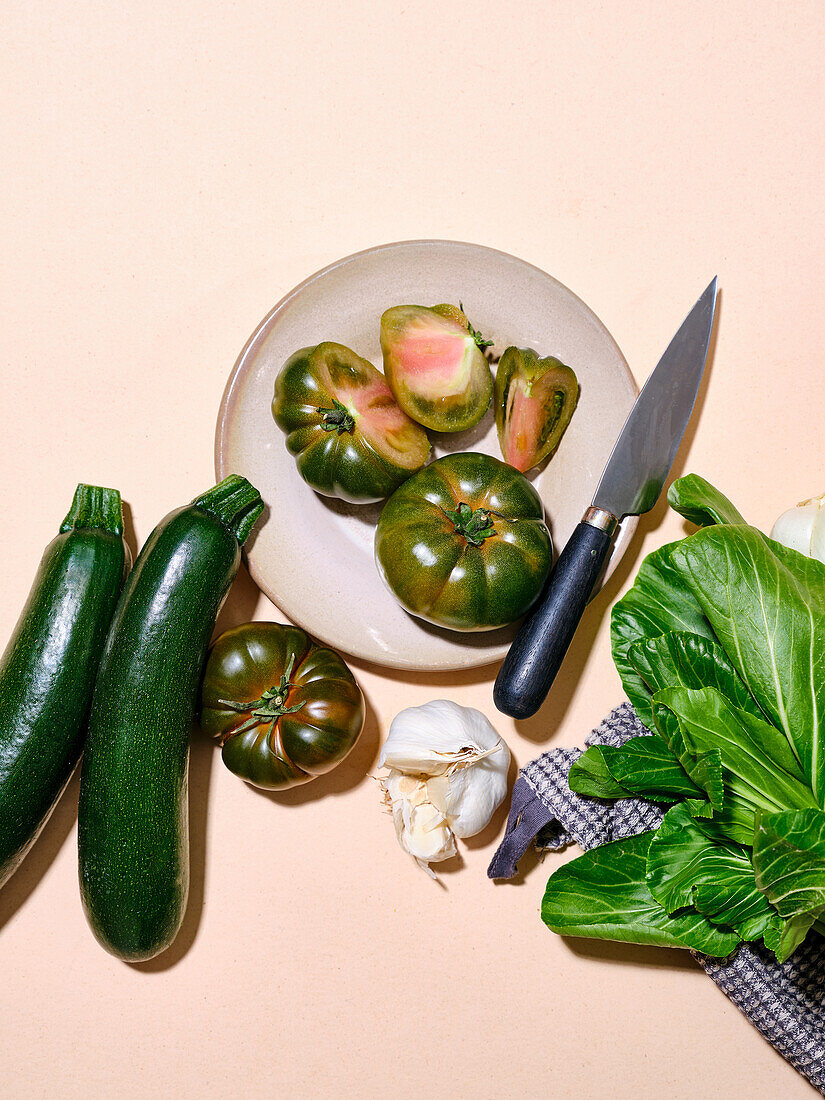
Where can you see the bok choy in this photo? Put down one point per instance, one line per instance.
(720, 645)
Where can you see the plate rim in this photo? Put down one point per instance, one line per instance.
(474, 659)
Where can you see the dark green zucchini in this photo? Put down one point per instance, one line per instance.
(133, 816)
(48, 670)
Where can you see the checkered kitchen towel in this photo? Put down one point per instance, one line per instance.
(786, 1001)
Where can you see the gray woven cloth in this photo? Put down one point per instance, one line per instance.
(786, 1001)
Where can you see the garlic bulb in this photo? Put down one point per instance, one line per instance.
(447, 773)
(803, 528)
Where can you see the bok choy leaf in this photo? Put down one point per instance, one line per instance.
(766, 605)
(758, 767)
(688, 660)
(789, 859)
(603, 894)
(697, 500)
(692, 863)
(644, 767)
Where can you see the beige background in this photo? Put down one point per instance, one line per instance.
(169, 171)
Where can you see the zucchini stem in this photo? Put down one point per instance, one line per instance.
(236, 503)
(96, 508)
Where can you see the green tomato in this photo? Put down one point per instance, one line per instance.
(435, 366)
(535, 399)
(463, 543)
(348, 435)
(283, 709)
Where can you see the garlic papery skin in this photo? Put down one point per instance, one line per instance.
(803, 528)
(447, 774)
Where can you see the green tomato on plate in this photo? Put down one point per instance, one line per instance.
(349, 437)
(463, 543)
(434, 363)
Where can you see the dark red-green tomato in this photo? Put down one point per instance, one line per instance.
(463, 543)
(535, 399)
(349, 437)
(283, 709)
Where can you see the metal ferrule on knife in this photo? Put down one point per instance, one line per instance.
(601, 519)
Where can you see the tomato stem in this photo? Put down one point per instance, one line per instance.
(337, 419)
(476, 335)
(475, 526)
(270, 706)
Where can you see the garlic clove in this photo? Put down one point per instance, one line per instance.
(407, 785)
(438, 789)
(428, 836)
(475, 793)
(420, 826)
(395, 799)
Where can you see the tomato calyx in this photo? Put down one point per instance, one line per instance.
(270, 706)
(480, 342)
(475, 526)
(337, 419)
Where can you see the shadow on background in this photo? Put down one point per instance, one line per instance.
(129, 533)
(240, 604)
(661, 958)
(54, 835)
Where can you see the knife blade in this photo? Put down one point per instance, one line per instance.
(630, 484)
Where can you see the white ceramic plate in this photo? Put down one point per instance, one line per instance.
(313, 556)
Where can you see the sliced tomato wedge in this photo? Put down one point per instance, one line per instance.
(535, 400)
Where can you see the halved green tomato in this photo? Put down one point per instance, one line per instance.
(535, 400)
(349, 437)
(463, 543)
(284, 709)
(435, 366)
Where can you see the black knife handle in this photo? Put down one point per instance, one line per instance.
(538, 650)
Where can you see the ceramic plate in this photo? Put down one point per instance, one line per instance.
(313, 556)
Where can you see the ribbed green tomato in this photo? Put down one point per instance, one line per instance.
(349, 437)
(284, 709)
(463, 543)
(434, 363)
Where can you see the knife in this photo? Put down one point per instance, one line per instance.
(630, 485)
